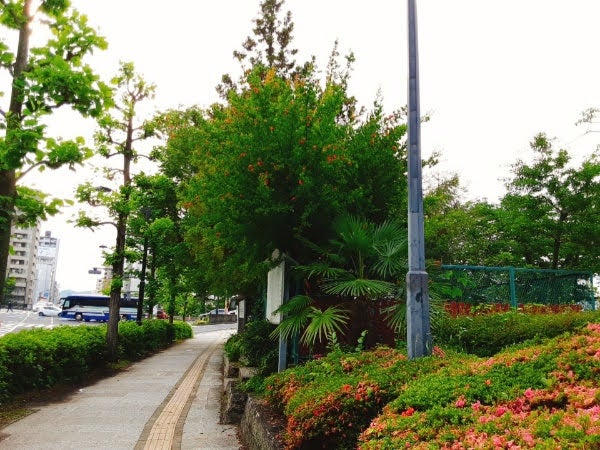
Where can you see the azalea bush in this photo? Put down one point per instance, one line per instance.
(329, 401)
(546, 396)
(539, 394)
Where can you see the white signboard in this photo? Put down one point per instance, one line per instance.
(275, 290)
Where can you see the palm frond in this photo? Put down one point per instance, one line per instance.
(354, 235)
(392, 258)
(320, 270)
(323, 323)
(296, 314)
(358, 287)
(395, 315)
(389, 230)
(294, 305)
(292, 325)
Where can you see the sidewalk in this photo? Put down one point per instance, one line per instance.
(171, 400)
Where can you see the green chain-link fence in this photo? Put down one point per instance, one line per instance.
(513, 286)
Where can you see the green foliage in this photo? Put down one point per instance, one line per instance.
(40, 358)
(550, 209)
(233, 347)
(255, 348)
(285, 157)
(361, 262)
(41, 77)
(485, 335)
(37, 359)
(313, 323)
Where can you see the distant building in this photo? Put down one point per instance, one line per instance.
(22, 264)
(47, 260)
(103, 282)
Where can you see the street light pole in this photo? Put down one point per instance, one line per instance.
(140, 306)
(417, 302)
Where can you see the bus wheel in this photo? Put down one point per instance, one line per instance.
(78, 317)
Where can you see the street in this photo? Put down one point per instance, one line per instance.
(17, 320)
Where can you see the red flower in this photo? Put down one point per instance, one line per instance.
(408, 412)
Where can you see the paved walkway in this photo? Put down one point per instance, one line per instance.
(171, 400)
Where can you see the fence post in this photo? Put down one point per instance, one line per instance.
(513, 289)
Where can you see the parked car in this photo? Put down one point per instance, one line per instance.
(49, 310)
(39, 305)
(160, 314)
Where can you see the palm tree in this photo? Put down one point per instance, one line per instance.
(362, 263)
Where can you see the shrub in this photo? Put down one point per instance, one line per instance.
(233, 347)
(41, 358)
(257, 349)
(538, 396)
(381, 400)
(486, 335)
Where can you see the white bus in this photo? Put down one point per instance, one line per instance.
(95, 307)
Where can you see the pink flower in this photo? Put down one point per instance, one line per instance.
(476, 406)
(529, 393)
(500, 410)
(461, 402)
(527, 437)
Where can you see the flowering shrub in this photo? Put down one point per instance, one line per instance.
(553, 401)
(542, 394)
(456, 308)
(328, 402)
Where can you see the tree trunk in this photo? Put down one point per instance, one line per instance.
(8, 189)
(112, 332)
(8, 192)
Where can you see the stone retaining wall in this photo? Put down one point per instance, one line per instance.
(259, 425)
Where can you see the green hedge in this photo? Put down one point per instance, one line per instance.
(41, 358)
(486, 335)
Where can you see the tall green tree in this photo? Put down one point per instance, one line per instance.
(276, 165)
(42, 79)
(269, 46)
(458, 232)
(552, 209)
(119, 131)
(171, 262)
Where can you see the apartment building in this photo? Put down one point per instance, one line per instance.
(22, 265)
(47, 260)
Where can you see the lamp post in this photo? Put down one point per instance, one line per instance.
(140, 306)
(417, 299)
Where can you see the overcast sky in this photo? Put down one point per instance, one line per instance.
(493, 74)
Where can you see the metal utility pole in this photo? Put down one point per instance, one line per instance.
(417, 302)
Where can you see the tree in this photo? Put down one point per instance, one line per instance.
(458, 232)
(274, 166)
(552, 209)
(268, 47)
(117, 134)
(42, 79)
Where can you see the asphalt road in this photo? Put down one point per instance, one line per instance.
(17, 320)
